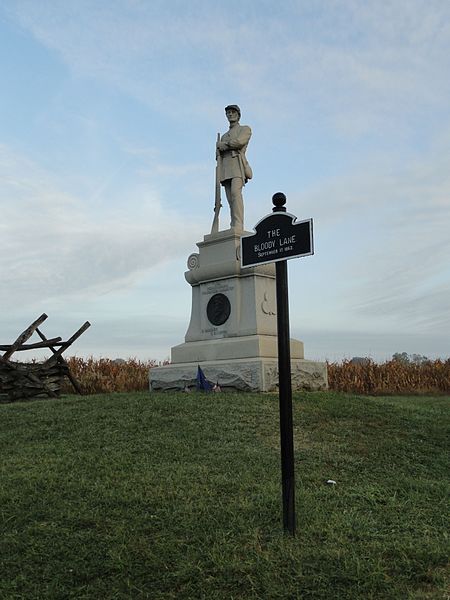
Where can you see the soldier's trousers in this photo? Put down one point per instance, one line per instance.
(233, 189)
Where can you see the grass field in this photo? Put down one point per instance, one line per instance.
(177, 496)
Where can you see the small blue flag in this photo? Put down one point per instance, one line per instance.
(202, 382)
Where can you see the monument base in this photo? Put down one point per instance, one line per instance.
(248, 346)
(232, 332)
(245, 374)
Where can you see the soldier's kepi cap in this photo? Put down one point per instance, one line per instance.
(233, 107)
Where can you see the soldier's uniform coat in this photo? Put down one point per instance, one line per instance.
(233, 161)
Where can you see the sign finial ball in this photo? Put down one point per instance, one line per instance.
(279, 200)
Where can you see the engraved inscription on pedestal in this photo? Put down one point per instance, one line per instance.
(217, 287)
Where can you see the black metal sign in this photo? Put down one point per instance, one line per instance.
(277, 236)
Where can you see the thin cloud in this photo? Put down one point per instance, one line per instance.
(53, 244)
(388, 225)
(385, 73)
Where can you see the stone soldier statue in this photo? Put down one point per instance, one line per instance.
(234, 170)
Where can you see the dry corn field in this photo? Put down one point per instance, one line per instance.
(98, 376)
(392, 377)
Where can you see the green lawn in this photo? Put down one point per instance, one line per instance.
(178, 496)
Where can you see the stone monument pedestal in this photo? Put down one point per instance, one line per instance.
(232, 332)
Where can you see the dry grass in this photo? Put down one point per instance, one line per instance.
(393, 377)
(103, 375)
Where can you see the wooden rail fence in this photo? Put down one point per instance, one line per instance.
(28, 379)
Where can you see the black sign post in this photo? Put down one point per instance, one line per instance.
(278, 238)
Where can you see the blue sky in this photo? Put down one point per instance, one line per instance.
(108, 118)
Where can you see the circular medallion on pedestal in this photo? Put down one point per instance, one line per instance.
(218, 309)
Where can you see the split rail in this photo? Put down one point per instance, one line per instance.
(21, 380)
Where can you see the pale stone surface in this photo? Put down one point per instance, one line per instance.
(233, 168)
(257, 374)
(249, 346)
(251, 292)
(219, 257)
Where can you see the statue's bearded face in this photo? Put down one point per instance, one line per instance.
(232, 115)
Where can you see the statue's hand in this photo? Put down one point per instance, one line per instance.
(222, 146)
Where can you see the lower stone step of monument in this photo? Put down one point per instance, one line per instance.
(245, 346)
(250, 375)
